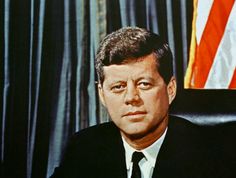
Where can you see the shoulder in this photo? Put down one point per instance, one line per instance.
(90, 142)
(183, 132)
(204, 147)
(184, 129)
(176, 122)
(87, 148)
(94, 134)
(96, 129)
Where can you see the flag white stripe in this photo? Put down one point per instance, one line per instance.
(203, 11)
(224, 64)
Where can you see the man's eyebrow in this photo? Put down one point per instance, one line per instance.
(145, 78)
(116, 81)
(136, 80)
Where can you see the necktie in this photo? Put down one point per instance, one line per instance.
(137, 156)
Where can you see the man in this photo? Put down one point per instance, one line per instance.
(137, 86)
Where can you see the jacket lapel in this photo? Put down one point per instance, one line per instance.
(113, 154)
(179, 155)
(164, 163)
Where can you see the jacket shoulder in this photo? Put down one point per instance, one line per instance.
(86, 149)
(92, 136)
(183, 124)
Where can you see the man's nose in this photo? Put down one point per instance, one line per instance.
(132, 95)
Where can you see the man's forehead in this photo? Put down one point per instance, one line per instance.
(142, 68)
(141, 62)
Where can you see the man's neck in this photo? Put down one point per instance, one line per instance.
(142, 142)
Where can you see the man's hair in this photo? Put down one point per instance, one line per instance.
(131, 43)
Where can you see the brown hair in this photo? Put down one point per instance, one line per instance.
(132, 43)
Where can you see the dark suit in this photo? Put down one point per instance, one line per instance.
(98, 152)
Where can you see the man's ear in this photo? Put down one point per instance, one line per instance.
(101, 94)
(171, 89)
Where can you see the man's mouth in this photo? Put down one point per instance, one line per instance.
(135, 114)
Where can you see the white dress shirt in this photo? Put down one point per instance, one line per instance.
(146, 164)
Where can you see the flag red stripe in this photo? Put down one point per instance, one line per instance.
(233, 81)
(210, 40)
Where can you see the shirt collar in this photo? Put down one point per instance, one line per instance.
(150, 152)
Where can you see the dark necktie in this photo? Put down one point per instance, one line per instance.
(137, 156)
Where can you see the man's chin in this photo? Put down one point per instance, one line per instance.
(134, 135)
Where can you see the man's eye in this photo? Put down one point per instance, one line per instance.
(144, 85)
(118, 88)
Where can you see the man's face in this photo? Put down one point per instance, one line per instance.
(136, 96)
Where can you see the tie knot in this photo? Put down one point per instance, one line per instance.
(137, 156)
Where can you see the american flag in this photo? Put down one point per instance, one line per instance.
(212, 61)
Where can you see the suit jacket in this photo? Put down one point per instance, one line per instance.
(98, 152)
